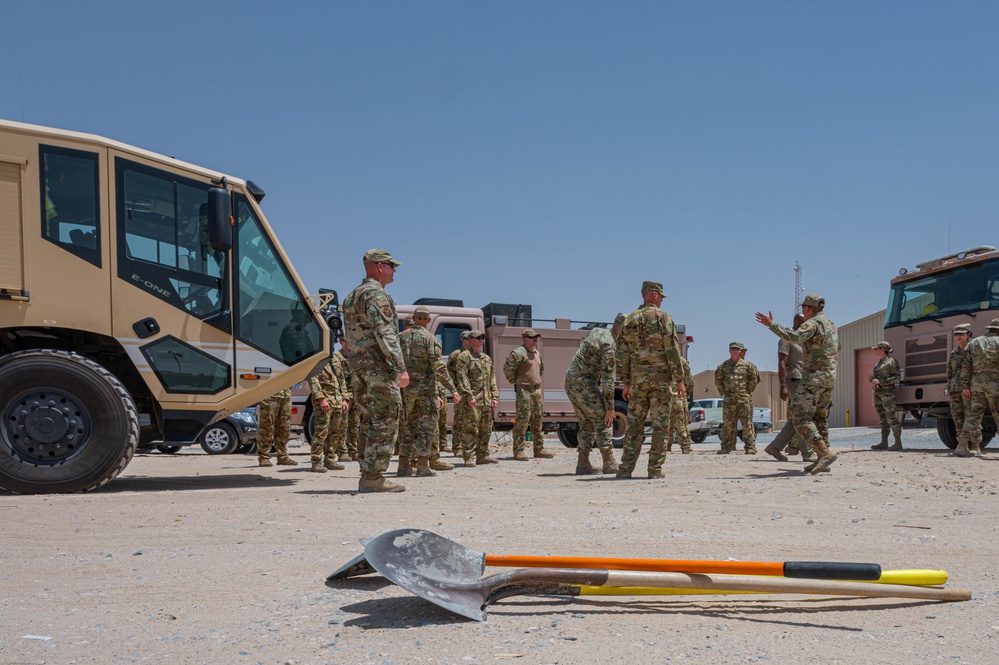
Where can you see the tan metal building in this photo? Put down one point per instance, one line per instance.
(853, 372)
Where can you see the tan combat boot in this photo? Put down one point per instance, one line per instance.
(485, 459)
(884, 442)
(583, 466)
(440, 465)
(317, 467)
(775, 452)
(750, 450)
(962, 448)
(333, 465)
(264, 461)
(405, 468)
(809, 457)
(823, 464)
(423, 469)
(656, 473)
(898, 442)
(469, 463)
(610, 464)
(286, 461)
(541, 453)
(375, 482)
(521, 456)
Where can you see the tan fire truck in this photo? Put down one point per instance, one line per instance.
(141, 299)
(503, 325)
(924, 305)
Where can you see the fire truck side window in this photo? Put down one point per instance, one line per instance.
(70, 201)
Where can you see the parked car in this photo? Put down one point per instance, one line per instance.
(234, 433)
(706, 419)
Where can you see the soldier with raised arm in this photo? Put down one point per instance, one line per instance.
(649, 367)
(819, 342)
(372, 330)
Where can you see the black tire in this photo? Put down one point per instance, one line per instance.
(66, 423)
(698, 437)
(620, 423)
(569, 437)
(947, 432)
(308, 422)
(168, 450)
(219, 439)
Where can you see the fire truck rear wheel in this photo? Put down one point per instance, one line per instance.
(569, 437)
(66, 423)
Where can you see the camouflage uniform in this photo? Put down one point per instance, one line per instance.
(980, 375)
(787, 437)
(422, 354)
(326, 385)
(680, 413)
(521, 369)
(888, 375)
(442, 419)
(345, 436)
(736, 382)
(648, 356)
(810, 404)
(274, 426)
(376, 360)
(589, 383)
(475, 381)
(958, 405)
(452, 370)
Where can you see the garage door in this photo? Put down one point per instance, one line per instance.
(865, 413)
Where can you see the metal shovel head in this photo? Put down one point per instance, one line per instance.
(356, 566)
(432, 567)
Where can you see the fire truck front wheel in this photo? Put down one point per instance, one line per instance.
(66, 423)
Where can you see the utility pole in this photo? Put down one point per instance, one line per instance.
(798, 291)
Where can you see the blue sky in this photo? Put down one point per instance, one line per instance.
(559, 153)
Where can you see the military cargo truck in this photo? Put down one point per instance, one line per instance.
(503, 325)
(924, 305)
(141, 299)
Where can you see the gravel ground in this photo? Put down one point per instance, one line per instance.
(193, 558)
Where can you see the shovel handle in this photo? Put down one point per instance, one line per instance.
(794, 569)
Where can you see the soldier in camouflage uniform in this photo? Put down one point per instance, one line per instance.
(884, 381)
(789, 364)
(452, 370)
(479, 397)
(442, 446)
(819, 341)
(648, 357)
(372, 331)
(524, 369)
(958, 407)
(273, 429)
(980, 383)
(736, 379)
(345, 435)
(421, 353)
(680, 414)
(589, 384)
(328, 409)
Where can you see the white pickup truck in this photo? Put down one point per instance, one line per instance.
(706, 419)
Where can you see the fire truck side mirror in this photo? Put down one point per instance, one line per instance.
(219, 219)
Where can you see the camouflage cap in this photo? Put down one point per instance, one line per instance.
(813, 300)
(380, 256)
(962, 329)
(476, 334)
(993, 324)
(530, 332)
(464, 334)
(884, 346)
(421, 311)
(736, 345)
(653, 286)
(408, 321)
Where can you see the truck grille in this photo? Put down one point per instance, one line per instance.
(926, 358)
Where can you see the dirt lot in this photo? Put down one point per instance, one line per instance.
(198, 559)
